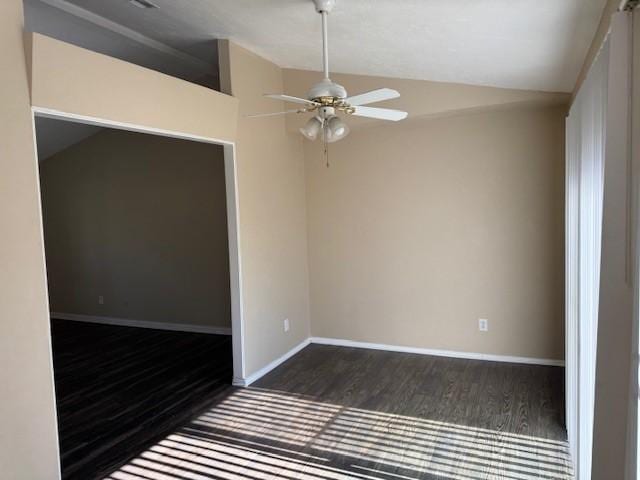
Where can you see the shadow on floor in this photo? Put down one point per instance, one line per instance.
(340, 413)
(119, 390)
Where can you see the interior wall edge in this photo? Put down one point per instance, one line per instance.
(255, 376)
(224, 67)
(271, 212)
(28, 437)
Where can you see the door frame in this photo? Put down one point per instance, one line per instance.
(233, 224)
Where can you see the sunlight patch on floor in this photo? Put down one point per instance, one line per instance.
(262, 434)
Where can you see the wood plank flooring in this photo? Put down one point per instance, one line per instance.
(334, 413)
(120, 389)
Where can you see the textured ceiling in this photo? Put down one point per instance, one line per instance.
(526, 44)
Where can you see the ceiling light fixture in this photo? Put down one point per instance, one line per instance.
(312, 128)
(335, 129)
(326, 98)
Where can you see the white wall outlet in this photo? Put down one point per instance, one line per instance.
(483, 324)
(287, 325)
(101, 300)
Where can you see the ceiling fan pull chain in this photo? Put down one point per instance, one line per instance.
(326, 153)
(325, 143)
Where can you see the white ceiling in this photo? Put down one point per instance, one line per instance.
(527, 44)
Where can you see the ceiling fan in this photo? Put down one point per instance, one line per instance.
(326, 98)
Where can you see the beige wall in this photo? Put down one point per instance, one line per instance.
(71, 79)
(418, 229)
(419, 98)
(140, 220)
(273, 234)
(28, 443)
(273, 223)
(271, 195)
(63, 80)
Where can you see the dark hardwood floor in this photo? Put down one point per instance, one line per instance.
(333, 413)
(120, 389)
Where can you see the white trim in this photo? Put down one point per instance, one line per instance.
(233, 215)
(129, 322)
(633, 450)
(84, 14)
(131, 127)
(237, 319)
(572, 283)
(46, 291)
(245, 382)
(235, 260)
(438, 353)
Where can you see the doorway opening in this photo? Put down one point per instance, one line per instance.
(141, 253)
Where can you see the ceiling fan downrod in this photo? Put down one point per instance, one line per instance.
(326, 99)
(326, 92)
(324, 7)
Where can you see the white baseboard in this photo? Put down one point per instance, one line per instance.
(126, 322)
(439, 353)
(239, 382)
(245, 382)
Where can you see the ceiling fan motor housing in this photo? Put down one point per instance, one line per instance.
(326, 112)
(324, 5)
(326, 88)
(326, 98)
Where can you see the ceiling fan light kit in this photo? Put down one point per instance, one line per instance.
(312, 128)
(326, 98)
(335, 129)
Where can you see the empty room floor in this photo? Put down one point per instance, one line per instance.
(120, 389)
(332, 413)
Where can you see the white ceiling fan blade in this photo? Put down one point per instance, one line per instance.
(373, 96)
(274, 114)
(380, 113)
(289, 98)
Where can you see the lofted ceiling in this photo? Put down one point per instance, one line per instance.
(53, 136)
(65, 21)
(523, 44)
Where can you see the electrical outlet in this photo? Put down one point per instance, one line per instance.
(286, 325)
(101, 300)
(483, 324)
